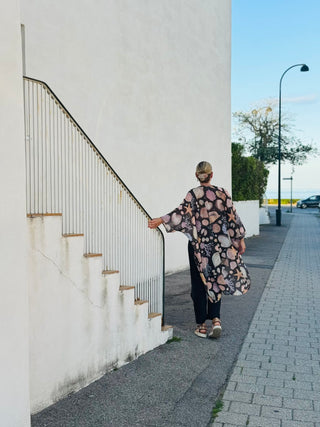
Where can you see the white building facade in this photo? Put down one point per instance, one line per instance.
(149, 83)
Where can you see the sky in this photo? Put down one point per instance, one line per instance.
(267, 38)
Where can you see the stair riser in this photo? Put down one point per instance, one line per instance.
(81, 324)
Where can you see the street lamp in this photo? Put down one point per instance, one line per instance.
(290, 179)
(303, 68)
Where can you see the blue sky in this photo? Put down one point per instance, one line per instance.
(267, 38)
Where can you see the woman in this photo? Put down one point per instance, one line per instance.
(216, 242)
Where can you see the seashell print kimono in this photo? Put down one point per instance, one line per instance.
(207, 217)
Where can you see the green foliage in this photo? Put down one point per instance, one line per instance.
(249, 176)
(259, 129)
(174, 339)
(217, 408)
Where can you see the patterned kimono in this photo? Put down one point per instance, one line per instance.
(207, 217)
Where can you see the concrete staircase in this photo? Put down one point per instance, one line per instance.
(82, 322)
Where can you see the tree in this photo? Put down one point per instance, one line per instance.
(259, 130)
(249, 176)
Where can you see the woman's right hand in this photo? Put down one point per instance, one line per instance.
(242, 247)
(155, 222)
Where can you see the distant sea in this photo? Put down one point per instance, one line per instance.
(296, 194)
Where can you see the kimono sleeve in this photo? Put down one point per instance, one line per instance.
(180, 219)
(236, 229)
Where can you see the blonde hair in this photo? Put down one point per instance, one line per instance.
(203, 171)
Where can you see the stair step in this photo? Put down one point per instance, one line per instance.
(72, 235)
(91, 255)
(125, 288)
(166, 328)
(43, 214)
(140, 302)
(110, 271)
(153, 315)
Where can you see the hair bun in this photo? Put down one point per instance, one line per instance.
(203, 171)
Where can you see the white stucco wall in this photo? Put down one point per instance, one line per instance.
(14, 369)
(248, 211)
(149, 81)
(81, 324)
(264, 216)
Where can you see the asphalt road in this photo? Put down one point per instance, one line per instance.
(178, 383)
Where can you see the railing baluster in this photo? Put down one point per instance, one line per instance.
(66, 174)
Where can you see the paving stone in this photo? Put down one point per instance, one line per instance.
(281, 360)
(306, 394)
(259, 358)
(284, 341)
(313, 363)
(231, 386)
(237, 370)
(301, 415)
(232, 418)
(257, 339)
(282, 348)
(271, 382)
(242, 356)
(275, 353)
(245, 408)
(248, 364)
(255, 421)
(250, 388)
(274, 391)
(274, 366)
(256, 346)
(244, 379)
(307, 377)
(316, 386)
(316, 407)
(290, 423)
(281, 375)
(254, 372)
(298, 404)
(237, 396)
(299, 369)
(304, 356)
(301, 385)
(276, 412)
(262, 399)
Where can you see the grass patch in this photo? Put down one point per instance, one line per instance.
(174, 339)
(217, 408)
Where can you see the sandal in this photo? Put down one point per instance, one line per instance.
(201, 331)
(216, 329)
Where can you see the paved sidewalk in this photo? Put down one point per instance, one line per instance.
(176, 384)
(276, 379)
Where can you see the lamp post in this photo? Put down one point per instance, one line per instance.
(303, 68)
(290, 179)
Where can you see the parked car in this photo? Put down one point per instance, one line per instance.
(310, 202)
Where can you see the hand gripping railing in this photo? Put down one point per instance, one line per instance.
(66, 174)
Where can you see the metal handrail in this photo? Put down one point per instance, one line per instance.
(42, 170)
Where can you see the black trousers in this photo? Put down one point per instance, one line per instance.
(203, 308)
